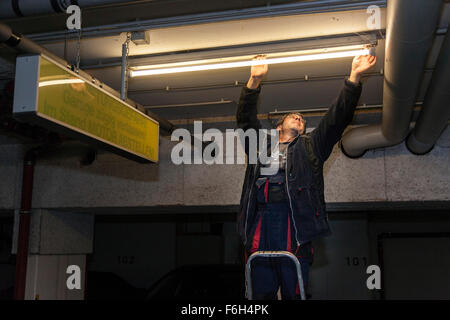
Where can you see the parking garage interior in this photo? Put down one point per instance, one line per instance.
(149, 230)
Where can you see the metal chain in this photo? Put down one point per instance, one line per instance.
(65, 47)
(125, 67)
(127, 72)
(128, 44)
(78, 51)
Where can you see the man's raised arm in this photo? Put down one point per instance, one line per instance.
(246, 115)
(340, 114)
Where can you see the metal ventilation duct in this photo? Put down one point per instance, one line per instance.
(435, 111)
(410, 27)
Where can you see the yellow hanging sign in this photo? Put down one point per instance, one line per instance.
(81, 107)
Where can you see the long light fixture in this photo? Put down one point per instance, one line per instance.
(245, 61)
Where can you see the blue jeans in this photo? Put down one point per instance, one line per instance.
(274, 232)
(270, 273)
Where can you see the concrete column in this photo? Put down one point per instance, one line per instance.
(58, 240)
(47, 277)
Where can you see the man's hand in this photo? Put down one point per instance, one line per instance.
(361, 64)
(257, 72)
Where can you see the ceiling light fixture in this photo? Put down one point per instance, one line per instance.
(245, 61)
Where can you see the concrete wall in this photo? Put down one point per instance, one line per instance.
(340, 262)
(140, 253)
(386, 174)
(413, 271)
(53, 232)
(383, 175)
(415, 264)
(11, 162)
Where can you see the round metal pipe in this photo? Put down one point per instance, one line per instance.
(435, 112)
(410, 27)
(366, 135)
(5, 32)
(24, 225)
(25, 8)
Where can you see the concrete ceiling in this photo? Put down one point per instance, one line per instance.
(284, 88)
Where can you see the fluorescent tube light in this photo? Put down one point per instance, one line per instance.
(297, 56)
(57, 82)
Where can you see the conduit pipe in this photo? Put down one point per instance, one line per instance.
(410, 27)
(24, 45)
(24, 226)
(289, 9)
(435, 112)
(25, 8)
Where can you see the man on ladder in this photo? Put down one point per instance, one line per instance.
(285, 211)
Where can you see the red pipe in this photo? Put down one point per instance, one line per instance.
(24, 226)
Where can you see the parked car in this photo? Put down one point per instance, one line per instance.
(109, 286)
(7, 293)
(192, 282)
(101, 286)
(200, 282)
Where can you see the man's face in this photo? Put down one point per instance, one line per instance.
(293, 122)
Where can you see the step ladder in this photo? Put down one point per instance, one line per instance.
(272, 254)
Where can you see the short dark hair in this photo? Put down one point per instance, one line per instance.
(281, 120)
